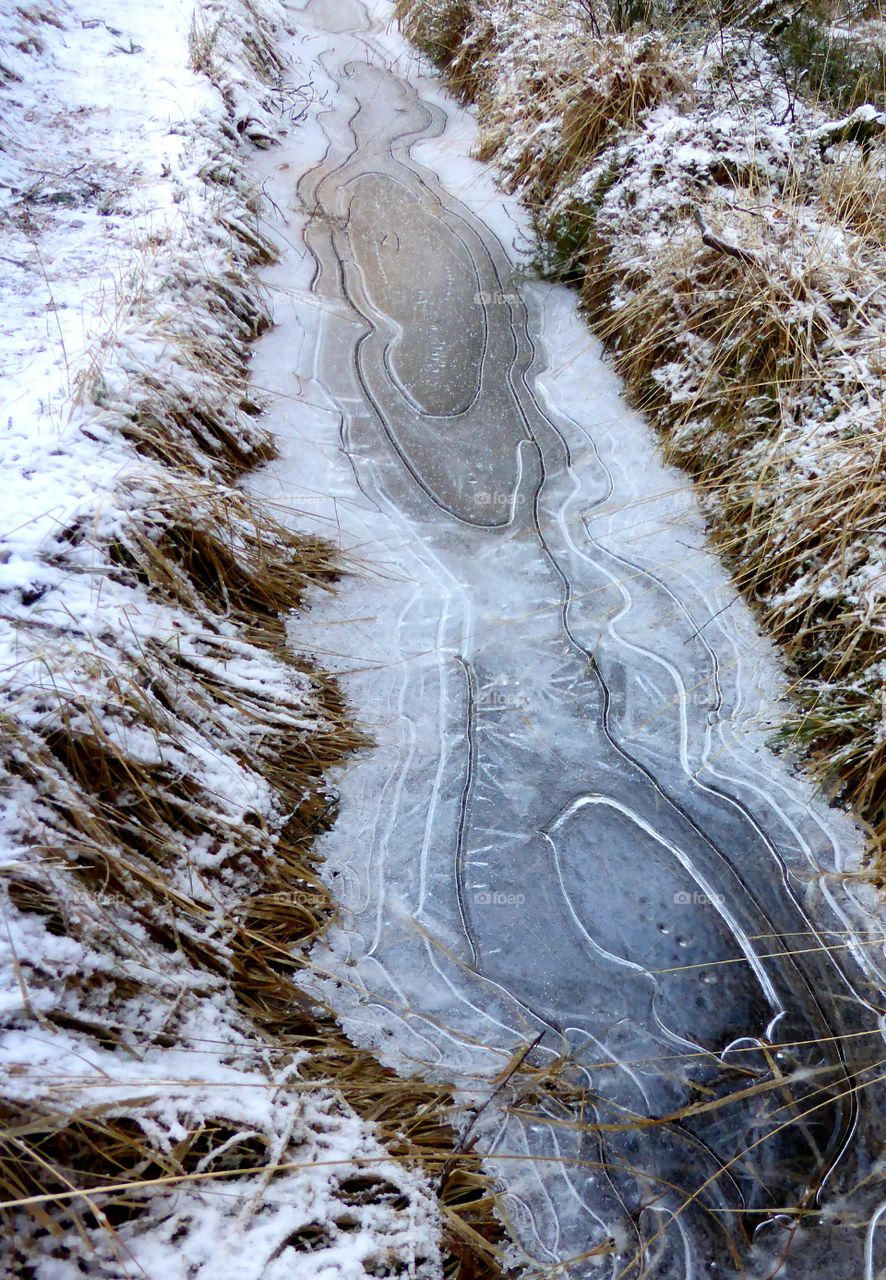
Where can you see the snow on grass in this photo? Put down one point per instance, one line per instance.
(727, 234)
(162, 758)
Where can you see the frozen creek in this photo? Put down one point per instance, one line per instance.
(569, 833)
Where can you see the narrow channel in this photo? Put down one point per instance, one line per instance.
(570, 833)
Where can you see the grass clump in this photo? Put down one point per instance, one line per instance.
(580, 95)
(437, 29)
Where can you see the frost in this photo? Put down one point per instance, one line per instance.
(569, 799)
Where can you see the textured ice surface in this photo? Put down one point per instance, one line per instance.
(570, 829)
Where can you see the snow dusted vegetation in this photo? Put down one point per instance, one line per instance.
(574, 883)
(162, 758)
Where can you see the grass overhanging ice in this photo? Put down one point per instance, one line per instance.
(164, 755)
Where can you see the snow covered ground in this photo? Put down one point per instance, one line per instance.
(149, 1126)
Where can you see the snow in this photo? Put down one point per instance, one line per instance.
(122, 174)
(731, 149)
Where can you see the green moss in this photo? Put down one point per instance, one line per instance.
(563, 241)
(564, 235)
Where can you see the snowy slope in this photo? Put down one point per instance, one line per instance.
(146, 706)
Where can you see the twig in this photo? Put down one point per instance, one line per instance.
(727, 605)
(462, 1143)
(713, 241)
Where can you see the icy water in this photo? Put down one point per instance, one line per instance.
(570, 834)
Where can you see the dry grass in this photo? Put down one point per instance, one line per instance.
(203, 37)
(109, 821)
(571, 96)
(854, 192)
(758, 339)
(437, 29)
(109, 858)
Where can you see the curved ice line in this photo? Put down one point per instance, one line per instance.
(677, 809)
(580, 802)
(523, 373)
(380, 849)
(869, 1244)
(389, 347)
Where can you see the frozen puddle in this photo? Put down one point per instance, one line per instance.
(569, 832)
